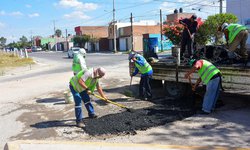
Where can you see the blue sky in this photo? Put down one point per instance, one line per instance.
(36, 17)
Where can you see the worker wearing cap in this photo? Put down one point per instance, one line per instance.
(83, 84)
(211, 77)
(236, 35)
(188, 33)
(142, 66)
(79, 62)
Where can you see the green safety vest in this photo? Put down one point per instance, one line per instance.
(144, 69)
(90, 82)
(234, 29)
(207, 71)
(76, 67)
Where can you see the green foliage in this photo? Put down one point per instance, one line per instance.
(81, 40)
(3, 41)
(23, 42)
(58, 33)
(208, 31)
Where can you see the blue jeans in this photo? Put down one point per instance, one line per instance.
(211, 95)
(78, 98)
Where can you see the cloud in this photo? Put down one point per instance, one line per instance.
(33, 15)
(16, 13)
(75, 4)
(2, 25)
(28, 6)
(76, 15)
(2, 13)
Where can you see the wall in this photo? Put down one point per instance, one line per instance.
(240, 8)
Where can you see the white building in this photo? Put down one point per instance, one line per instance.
(240, 8)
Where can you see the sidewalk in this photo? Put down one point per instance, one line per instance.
(64, 145)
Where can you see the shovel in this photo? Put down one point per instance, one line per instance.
(114, 103)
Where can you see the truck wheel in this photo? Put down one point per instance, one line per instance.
(174, 89)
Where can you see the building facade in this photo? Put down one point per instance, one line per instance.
(240, 8)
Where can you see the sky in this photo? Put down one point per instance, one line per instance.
(39, 17)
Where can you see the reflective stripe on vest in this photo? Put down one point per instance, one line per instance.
(76, 67)
(207, 71)
(90, 82)
(234, 30)
(144, 69)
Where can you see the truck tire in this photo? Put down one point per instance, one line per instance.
(175, 90)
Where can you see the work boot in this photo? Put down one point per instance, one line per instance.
(92, 116)
(80, 124)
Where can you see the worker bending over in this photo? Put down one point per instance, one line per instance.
(142, 66)
(211, 77)
(236, 35)
(83, 84)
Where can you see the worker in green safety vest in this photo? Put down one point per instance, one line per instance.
(83, 84)
(236, 35)
(211, 77)
(142, 66)
(79, 62)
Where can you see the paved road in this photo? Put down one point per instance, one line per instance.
(63, 64)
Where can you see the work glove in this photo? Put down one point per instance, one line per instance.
(88, 91)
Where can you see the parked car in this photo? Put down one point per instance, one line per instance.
(72, 51)
(29, 50)
(36, 48)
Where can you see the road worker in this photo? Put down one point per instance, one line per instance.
(83, 84)
(236, 35)
(79, 62)
(211, 77)
(142, 66)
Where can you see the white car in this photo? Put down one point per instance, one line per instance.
(72, 51)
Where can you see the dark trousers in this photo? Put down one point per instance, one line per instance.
(145, 88)
(186, 42)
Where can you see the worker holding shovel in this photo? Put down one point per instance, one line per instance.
(187, 37)
(81, 86)
(211, 77)
(142, 66)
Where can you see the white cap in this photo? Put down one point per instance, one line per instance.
(224, 26)
(131, 55)
(101, 71)
(82, 51)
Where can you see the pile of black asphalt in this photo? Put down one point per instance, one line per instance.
(164, 111)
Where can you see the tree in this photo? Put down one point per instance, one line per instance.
(208, 31)
(58, 33)
(3, 41)
(23, 42)
(81, 40)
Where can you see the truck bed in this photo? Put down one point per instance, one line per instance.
(235, 76)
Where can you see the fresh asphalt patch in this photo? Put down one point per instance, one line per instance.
(164, 111)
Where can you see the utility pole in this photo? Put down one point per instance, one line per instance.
(31, 38)
(55, 34)
(221, 6)
(161, 29)
(114, 26)
(132, 35)
(67, 43)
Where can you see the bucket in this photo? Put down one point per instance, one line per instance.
(68, 97)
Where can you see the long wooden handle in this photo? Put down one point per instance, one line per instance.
(114, 103)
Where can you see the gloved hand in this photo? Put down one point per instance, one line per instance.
(89, 92)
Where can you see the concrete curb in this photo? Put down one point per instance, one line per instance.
(65, 145)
